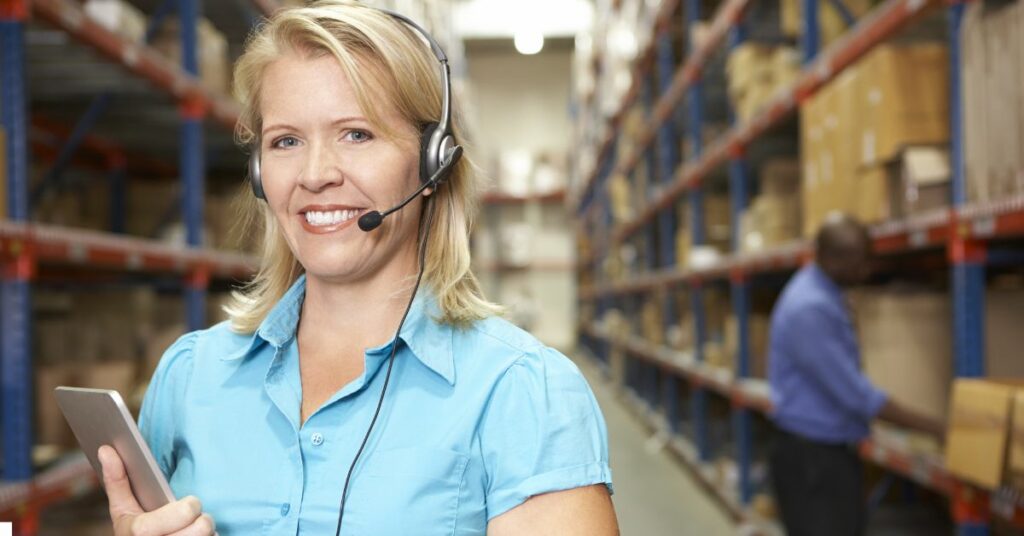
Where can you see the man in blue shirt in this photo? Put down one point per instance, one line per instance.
(823, 404)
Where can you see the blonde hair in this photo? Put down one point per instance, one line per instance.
(406, 76)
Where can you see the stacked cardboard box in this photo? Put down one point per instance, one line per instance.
(757, 72)
(993, 78)
(717, 229)
(757, 331)
(212, 51)
(119, 17)
(985, 436)
(893, 99)
(773, 217)
(905, 334)
(621, 198)
(831, 23)
(653, 327)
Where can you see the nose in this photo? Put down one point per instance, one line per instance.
(323, 169)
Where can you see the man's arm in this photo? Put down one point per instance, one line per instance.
(585, 511)
(898, 414)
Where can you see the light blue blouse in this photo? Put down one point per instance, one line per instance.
(475, 421)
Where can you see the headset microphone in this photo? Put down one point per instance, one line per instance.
(372, 220)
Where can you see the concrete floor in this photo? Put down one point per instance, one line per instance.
(654, 494)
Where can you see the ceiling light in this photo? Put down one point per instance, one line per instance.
(529, 42)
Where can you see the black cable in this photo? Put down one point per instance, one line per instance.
(391, 361)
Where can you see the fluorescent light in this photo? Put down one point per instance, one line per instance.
(529, 42)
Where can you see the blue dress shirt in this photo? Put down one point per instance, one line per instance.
(475, 421)
(818, 390)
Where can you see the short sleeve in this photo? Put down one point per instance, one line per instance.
(158, 418)
(542, 431)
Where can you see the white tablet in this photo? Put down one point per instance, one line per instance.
(99, 417)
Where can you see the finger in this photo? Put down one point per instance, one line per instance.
(203, 526)
(115, 481)
(169, 518)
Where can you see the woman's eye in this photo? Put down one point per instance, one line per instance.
(358, 136)
(285, 142)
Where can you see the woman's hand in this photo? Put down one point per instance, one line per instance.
(183, 517)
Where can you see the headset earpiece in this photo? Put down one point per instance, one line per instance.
(255, 177)
(427, 168)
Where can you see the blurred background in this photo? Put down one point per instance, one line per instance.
(655, 171)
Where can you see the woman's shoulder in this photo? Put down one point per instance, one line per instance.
(500, 346)
(202, 345)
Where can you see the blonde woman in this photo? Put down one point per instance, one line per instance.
(306, 413)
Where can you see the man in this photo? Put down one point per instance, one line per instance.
(823, 403)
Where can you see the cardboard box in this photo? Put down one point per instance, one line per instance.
(993, 103)
(653, 328)
(905, 334)
(872, 195)
(780, 177)
(918, 182)
(978, 432)
(811, 139)
(1004, 316)
(902, 99)
(214, 65)
(1015, 457)
(757, 329)
(118, 17)
(50, 426)
(831, 23)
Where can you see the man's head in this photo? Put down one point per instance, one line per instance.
(843, 250)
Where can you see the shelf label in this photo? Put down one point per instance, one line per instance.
(6, 528)
(78, 252)
(983, 227)
(918, 238)
(921, 473)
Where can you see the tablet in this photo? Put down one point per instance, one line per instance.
(99, 417)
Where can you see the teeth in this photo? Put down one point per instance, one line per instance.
(334, 217)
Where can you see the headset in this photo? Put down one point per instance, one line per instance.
(438, 155)
(438, 151)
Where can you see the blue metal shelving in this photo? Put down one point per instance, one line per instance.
(680, 89)
(15, 349)
(23, 493)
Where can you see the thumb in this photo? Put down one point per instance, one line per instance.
(115, 480)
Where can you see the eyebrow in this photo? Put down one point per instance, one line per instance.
(336, 122)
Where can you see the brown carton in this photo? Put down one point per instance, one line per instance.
(902, 99)
(905, 334)
(977, 435)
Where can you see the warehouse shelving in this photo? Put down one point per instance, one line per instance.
(24, 247)
(962, 230)
(752, 394)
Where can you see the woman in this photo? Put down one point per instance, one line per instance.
(278, 419)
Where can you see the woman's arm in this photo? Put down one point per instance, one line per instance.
(585, 511)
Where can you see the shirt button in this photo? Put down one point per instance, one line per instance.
(285, 508)
(317, 439)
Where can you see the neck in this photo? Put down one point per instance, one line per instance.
(363, 313)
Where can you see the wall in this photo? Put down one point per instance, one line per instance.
(521, 104)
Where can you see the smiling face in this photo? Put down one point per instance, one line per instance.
(324, 164)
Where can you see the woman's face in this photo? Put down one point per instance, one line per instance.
(324, 165)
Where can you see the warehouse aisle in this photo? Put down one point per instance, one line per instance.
(654, 495)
